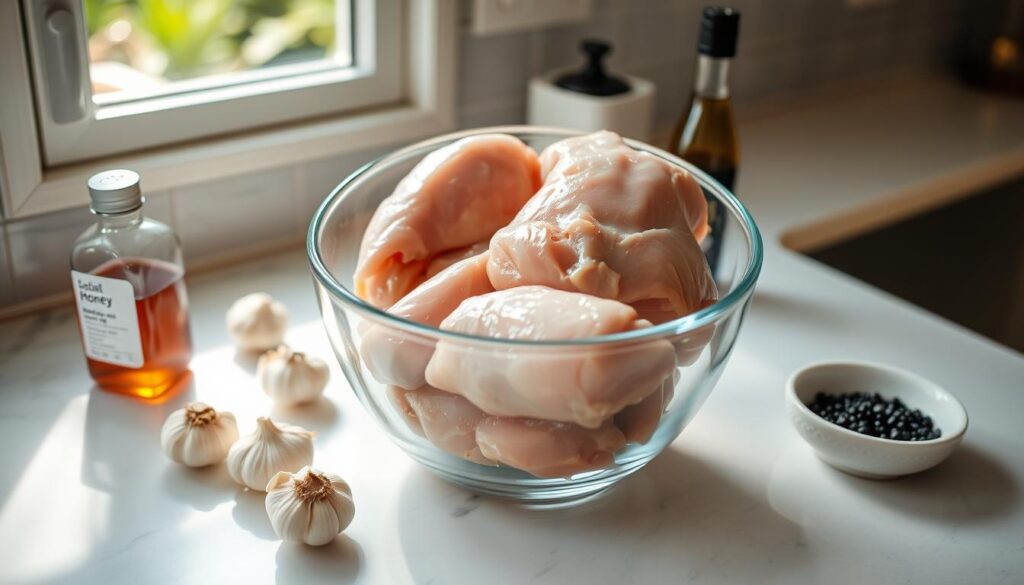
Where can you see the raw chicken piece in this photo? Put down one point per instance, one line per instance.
(447, 420)
(584, 385)
(396, 357)
(445, 260)
(689, 345)
(645, 188)
(545, 448)
(611, 222)
(639, 421)
(397, 397)
(455, 197)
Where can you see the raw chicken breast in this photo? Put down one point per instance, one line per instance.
(396, 357)
(445, 260)
(641, 186)
(639, 421)
(396, 395)
(689, 345)
(583, 385)
(548, 449)
(543, 448)
(455, 197)
(612, 222)
(447, 420)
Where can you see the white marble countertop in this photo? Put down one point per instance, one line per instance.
(87, 496)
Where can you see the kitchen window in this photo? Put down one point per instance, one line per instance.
(174, 87)
(117, 75)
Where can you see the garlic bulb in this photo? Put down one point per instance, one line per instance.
(290, 377)
(271, 448)
(309, 506)
(257, 322)
(198, 435)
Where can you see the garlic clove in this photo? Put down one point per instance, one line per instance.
(272, 447)
(309, 506)
(257, 322)
(291, 378)
(290, 514)
(324, 524)
(198, 435)
(344, 509)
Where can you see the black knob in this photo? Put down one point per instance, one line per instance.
(595, 50)
(593, 79)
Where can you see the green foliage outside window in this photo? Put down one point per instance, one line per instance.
(181, 39)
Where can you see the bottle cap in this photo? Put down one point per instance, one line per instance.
(115, 191)
(593, 79)
(719, 29)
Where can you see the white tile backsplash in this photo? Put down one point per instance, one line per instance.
(40, 247)
(494, 113)
(40, 250)
(645, 40)
(772, 23)
(560, 46)
(158, 206)
(256, 208)
(494, 66)
(673, 86)
(320, 177)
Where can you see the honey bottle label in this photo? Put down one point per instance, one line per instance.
(108, 318)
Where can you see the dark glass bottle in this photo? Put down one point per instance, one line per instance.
(706, 132)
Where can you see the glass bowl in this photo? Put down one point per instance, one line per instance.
(701, 341)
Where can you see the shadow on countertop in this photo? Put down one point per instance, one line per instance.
(971, 487)
(679, 515)
(337, 562)
(250, 513)
(203, 488)
(247, 360)
(971, 492)
(320, 416)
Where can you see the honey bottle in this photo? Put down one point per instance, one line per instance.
(128, 279)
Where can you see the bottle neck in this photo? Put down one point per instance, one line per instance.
(712, 79)
(120, 221)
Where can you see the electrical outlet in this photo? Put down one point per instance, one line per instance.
(499, 16)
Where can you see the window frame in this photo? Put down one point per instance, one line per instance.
(373, 78)
(425, 106)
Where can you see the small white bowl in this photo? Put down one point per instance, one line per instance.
(864, 455)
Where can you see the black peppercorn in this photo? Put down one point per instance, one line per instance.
(870, 414)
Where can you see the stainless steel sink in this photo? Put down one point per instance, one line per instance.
(964, 261)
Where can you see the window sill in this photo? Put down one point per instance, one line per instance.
(179, 166)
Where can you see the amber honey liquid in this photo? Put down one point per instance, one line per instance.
(162, 308)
